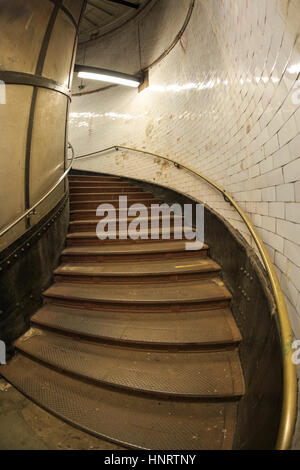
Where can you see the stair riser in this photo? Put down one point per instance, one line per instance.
(133, 279)
(85, 215)
(137, 307)
(75, 186)
(103, 189)
(91, 227)
(96, 242)
(90, 215)
(85, 258)
(90, 205)
(106, 197)
(94, 179)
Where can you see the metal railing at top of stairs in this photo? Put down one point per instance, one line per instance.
(289, 404)
(32, 209)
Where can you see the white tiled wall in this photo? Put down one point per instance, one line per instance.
(225, 101)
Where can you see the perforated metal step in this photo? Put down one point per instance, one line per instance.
(206, 374)
(90, 204)
(133, 421)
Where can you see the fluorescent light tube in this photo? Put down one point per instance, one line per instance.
(109, 79)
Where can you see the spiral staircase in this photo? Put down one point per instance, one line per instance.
(135, 342)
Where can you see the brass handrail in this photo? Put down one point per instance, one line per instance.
(31, 210)
(289, 405)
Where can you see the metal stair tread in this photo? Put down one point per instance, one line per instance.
(202, 290)
(134, 421)
(141, 268)
(190, 328)
(160, 246)
(208, 374)
(147, 232)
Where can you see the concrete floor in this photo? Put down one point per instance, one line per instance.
(25, 426)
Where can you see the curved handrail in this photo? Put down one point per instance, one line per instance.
(31, 210)
(288, 413)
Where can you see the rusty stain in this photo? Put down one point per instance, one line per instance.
(209, 146)
(117, 161)
(284, 6)
(290, 10)
(165, 165)
(149, 128)
(248, 129)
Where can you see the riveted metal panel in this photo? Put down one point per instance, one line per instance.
(22, 26)
(58, 59)
(48, 143)
(14, 117)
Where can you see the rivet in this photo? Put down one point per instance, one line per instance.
(16, 255)
(8, 262)
(22, 249)
(27, 244)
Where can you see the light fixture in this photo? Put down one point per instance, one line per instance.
(108, 76)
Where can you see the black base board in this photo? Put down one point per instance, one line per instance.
(26, 269)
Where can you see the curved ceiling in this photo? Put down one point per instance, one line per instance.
(101, 16)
